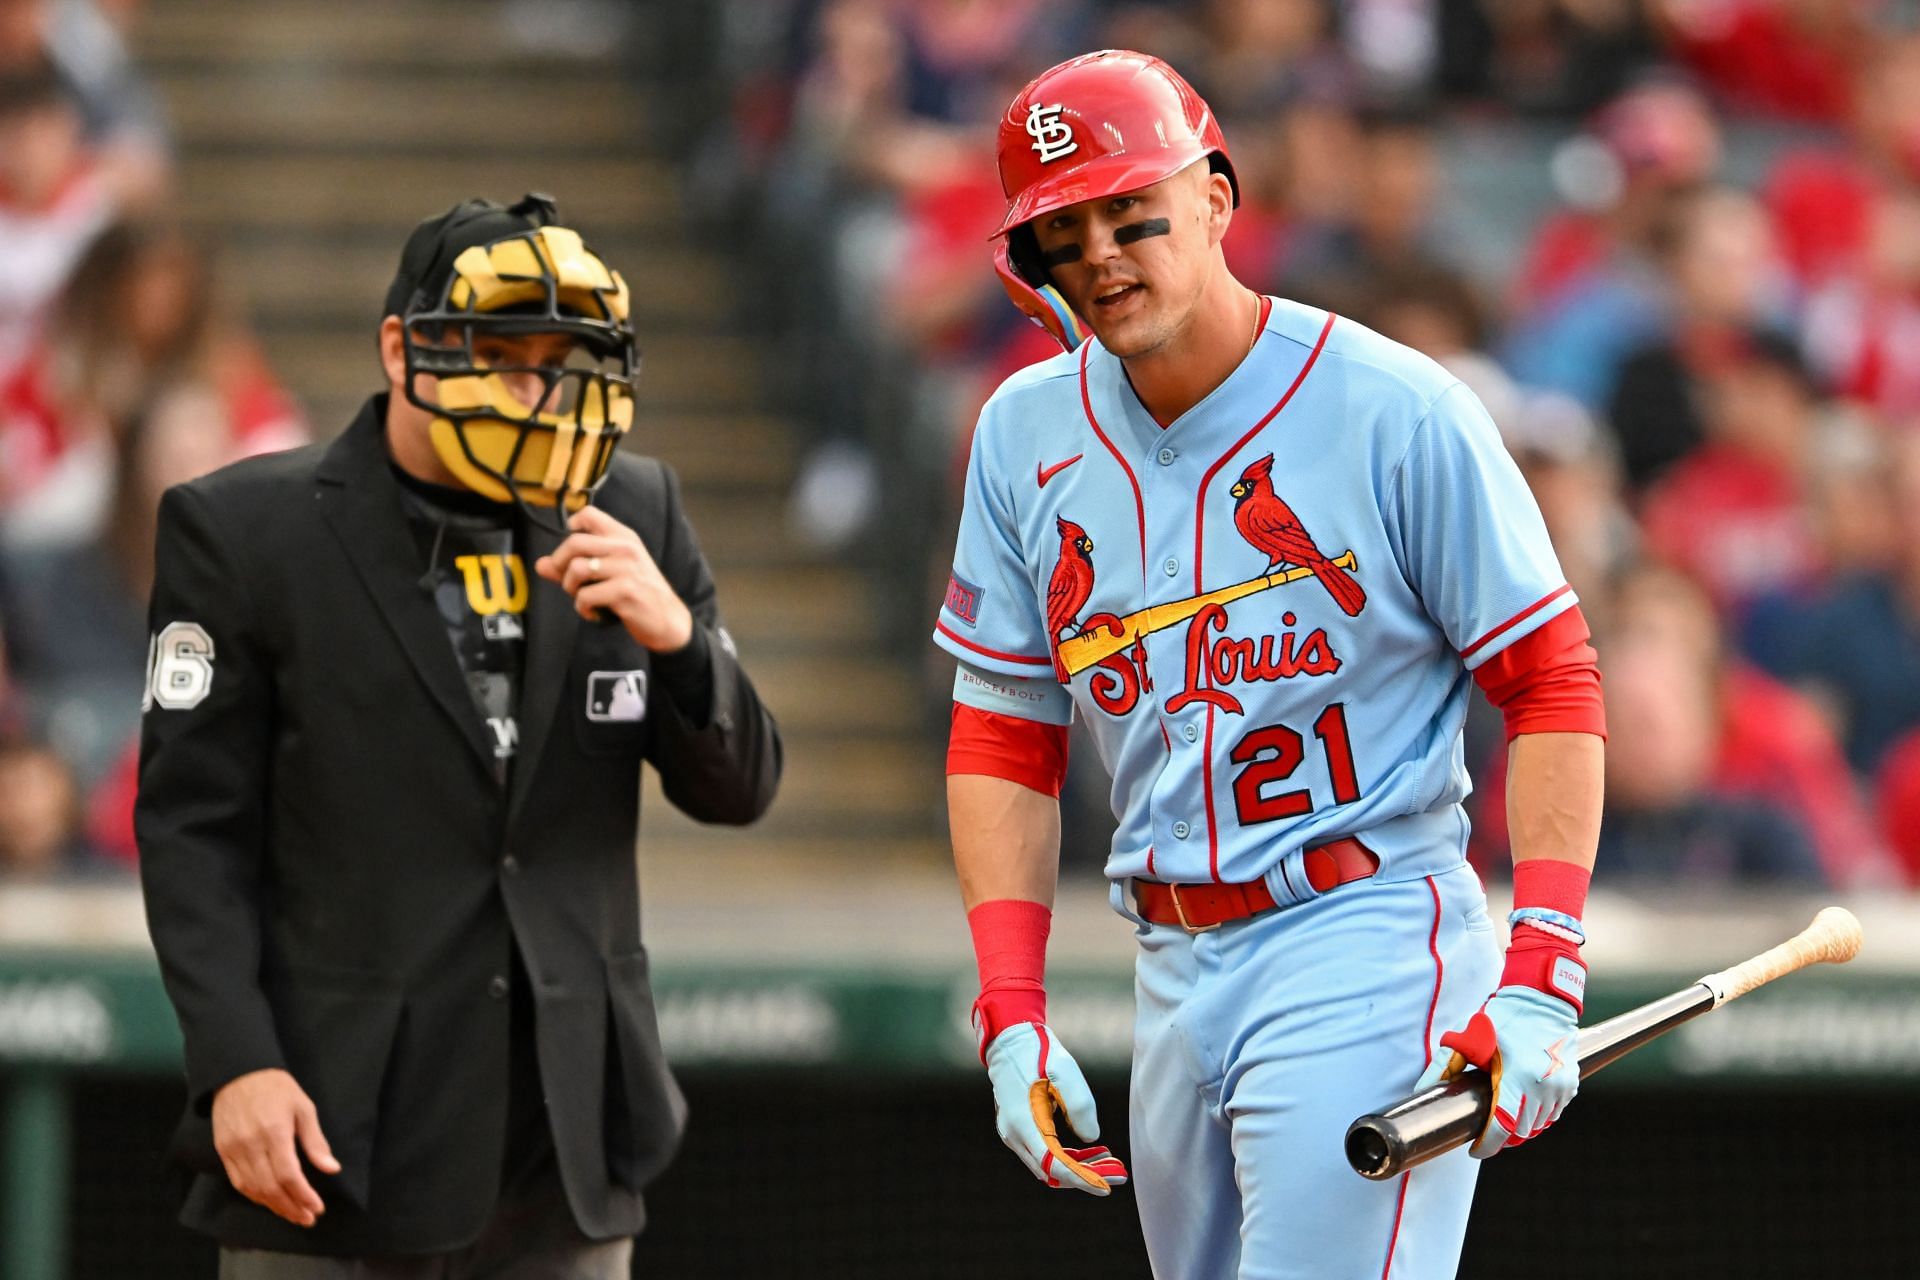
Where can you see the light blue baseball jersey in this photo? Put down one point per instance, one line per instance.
(1270, 654)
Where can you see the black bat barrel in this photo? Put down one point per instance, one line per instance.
(1415, 1130)
(1421, 1127)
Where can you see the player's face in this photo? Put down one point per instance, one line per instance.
(1134, 265)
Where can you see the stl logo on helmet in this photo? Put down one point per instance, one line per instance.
(1052, 136)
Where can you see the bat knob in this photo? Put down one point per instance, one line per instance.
(1369, 1151)
(1415, 1130)
(1839, 932)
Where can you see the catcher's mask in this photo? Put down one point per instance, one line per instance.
(539, 435)
(1097, 125)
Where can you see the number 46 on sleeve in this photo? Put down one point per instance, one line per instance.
(179, 667)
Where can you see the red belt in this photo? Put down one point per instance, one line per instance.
(1199, 907)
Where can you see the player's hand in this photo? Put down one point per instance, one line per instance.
(1032, 1073)
(1527, 1040)
(257, 1119)
(603, 565)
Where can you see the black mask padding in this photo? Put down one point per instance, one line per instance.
(1217, 162)
(1023, 251)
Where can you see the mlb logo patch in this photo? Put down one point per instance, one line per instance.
(617, 696)
(963, 599)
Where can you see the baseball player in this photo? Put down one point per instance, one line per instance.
(1263, 553)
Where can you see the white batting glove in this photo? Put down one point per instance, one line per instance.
(1032, 1074)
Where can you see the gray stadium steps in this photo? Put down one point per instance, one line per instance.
(297, 278)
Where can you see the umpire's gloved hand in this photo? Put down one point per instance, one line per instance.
(1032, 1073)
(1526, 1036)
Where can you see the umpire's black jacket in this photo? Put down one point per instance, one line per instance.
(334, 880)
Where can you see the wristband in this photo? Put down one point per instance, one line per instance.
(1552, 884)
(1557, 923)
(1010, 949)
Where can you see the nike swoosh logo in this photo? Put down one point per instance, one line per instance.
(1048, 473)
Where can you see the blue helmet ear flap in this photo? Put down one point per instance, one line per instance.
(1040, 301)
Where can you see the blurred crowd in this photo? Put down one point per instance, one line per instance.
(123, 369)
(1674, 245)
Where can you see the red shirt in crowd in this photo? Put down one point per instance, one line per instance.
(1565, 246)
(1775, 746)
(1760, 61)
(1898, 800)
(1822, 204)
(1733, 521)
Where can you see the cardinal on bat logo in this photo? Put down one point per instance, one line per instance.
(1269, 525)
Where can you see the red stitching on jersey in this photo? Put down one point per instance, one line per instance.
(1206, 788)
(961, 640)
(1199, 550)
(1139, 506)
(1516, 619)
(1426, 1060)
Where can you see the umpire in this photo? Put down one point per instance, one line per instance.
(390, 788)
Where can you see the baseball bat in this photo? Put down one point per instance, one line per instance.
(1416, 1129)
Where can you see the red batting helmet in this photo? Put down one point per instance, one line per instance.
(1097, 125)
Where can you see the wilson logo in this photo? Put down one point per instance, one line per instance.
(495, 583)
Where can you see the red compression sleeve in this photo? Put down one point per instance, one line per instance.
(1536, 958)
(1028, 752)
(1547, 681)
(1010, 948)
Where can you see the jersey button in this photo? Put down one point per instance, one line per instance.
(1166, 457)
(497, 987)
(511, 864)
(1191, 733)
(1180, 830)
(1172, 566)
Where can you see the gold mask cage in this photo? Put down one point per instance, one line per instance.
(554, 453)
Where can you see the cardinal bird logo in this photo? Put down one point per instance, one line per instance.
(1269, 524)
(1071, 584)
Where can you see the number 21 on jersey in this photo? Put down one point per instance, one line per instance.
(1273, 752)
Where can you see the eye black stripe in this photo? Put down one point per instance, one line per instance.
(1141, 230)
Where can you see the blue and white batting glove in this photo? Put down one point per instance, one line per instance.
(1527, 1041)
(1032, 1074)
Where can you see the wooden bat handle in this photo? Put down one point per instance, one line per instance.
(1833, 938)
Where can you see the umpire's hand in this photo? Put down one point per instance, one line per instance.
(604, 565)
(256, 1119)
